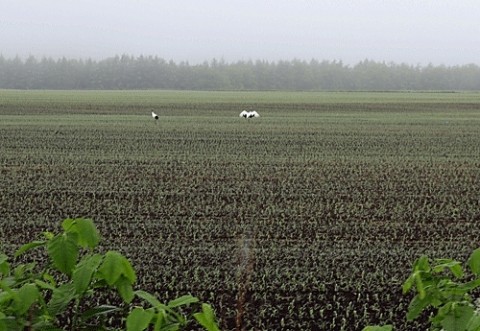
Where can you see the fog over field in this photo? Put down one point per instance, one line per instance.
(414, 32)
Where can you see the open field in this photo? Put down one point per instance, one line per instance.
(306, 218)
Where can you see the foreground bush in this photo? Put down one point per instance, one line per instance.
(439, 285)
(57, 294)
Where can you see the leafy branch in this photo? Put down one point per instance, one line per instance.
(438, 284)
(33, 297)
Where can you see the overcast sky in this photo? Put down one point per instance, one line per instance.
(402, 31)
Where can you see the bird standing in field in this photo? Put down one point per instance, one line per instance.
(155, 116)
(249, 114)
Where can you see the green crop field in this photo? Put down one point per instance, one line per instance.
(308, 217)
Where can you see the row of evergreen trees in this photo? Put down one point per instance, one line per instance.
(148, 72)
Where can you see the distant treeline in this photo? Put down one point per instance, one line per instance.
(148, 72)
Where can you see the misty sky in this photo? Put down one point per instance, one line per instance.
(403, 31)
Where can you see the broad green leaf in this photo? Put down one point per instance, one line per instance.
(417, 305)
(85, 229)
(420, 286)
(451, 290)
(63, 251)
(4, 265)
(207, 318)
(442, 312)
(7, 323)
(160, 321)
(3, 323)
(26, 296)
(139, 319)
(458, 318)
(67, 224)
(474, 262)
(5, 296)
(474, 323)
(409, 282)
(125, 289)
(469, 286)
(154, 302)
(115, 265)
(182, 301)
(128, 271)
(29, 246)
(61, 297)
(45, 286)
(454, 266)
(98, 311)
(83, 272)
(422, 264)
(378, 328)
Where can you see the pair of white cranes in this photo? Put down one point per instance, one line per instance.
(244, 114)
(249, 114)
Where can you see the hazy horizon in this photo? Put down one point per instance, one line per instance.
(416, 33)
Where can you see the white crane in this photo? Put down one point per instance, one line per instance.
(155, 116)
(249, 114)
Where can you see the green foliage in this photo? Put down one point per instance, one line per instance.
(34, 296)
(84, 272)
(139, 319)
(63, 251)
(117, 272)
(438, 285)
(88, 235)
(161, 316)
(207, 318)
(474, 262)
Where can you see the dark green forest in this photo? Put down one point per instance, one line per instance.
(151, 72)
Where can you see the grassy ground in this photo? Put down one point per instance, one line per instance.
(308, 217)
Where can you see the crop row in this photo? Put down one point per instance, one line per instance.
(309, 218)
